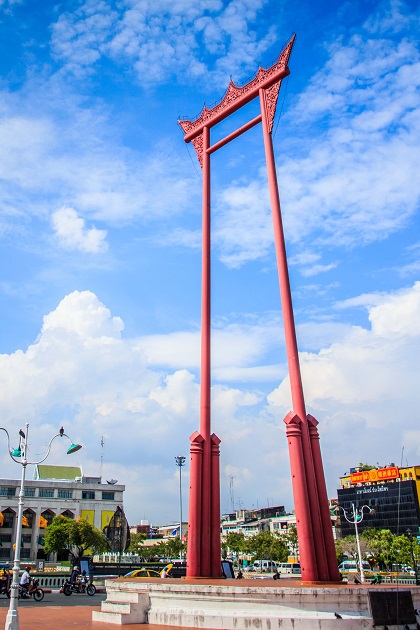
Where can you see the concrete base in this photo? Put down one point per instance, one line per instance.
(229, 604)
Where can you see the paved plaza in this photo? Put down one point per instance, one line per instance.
(59, 617)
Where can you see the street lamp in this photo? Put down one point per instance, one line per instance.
(409, 535)
(356, 517)
(19, 455)
(180, 461)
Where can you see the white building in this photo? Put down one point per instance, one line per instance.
(55, 490)
(251, 522)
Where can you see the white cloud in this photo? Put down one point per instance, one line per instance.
(5, 4)
(340, 372)
(390, 17)
(82, 313)
(73, 234)
(186, 238)
(179, 393)
(237, 348)
(48, 160)
(243, 226)
(362, 388)
(309, 264)
(366, 299)
(317, 269)
(160, 40)
(353, 182)
(82, 373)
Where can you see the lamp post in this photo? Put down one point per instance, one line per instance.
(356, 516)
(19, 455)
(180, 461)
(409, 535)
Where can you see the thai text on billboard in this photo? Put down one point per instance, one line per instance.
(375, 474)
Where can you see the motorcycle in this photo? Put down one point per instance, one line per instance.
(26, 593)
(79, 587)
(5, 586)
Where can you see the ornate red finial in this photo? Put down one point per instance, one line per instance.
(235, 97)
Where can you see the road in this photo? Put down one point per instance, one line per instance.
(58, 599)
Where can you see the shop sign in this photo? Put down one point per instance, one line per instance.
(375, 474)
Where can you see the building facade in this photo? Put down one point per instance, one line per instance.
(391, 492)
(250, 522)
(55, 490)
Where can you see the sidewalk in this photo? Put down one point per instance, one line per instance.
(56, 617)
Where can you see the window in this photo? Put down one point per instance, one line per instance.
(65, 494)
(6, 491)
(108, 496)
(28, 517)
(88, 494)
(48, 515)
(46, 493)
(29, 492)
(26, 538)
(5, 538)
(8, 516)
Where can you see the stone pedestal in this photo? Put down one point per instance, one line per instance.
(242, 605)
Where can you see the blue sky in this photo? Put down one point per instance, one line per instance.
(100, 217)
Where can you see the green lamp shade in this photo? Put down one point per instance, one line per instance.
(73, 448)
(16, 452)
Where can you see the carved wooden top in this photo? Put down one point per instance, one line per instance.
(236, 96)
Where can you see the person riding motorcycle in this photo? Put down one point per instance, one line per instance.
(74, 575)
(25, 582)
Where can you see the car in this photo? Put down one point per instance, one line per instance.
(142, 573)
(148, 573)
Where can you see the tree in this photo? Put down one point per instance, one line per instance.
(381, 544)
(234, 541)
(402, 550)
(76, 536)
(150, 552)
(363, 466)
(267, 545)
(136, 543)
(348, 547)
(172, 548)
(291, 539)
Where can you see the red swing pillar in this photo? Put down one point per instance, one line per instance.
(311, 504)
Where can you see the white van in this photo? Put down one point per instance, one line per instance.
(351, 566)
(290, 568)
(264, 566)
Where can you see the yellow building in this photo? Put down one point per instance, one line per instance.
(54, 490)
(357, 476)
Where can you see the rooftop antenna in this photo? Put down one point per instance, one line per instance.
(102, 456)
(232, 493)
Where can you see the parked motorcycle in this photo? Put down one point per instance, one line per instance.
(34, 591)
(81, 586)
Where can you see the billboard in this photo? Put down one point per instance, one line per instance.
(375, 474)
